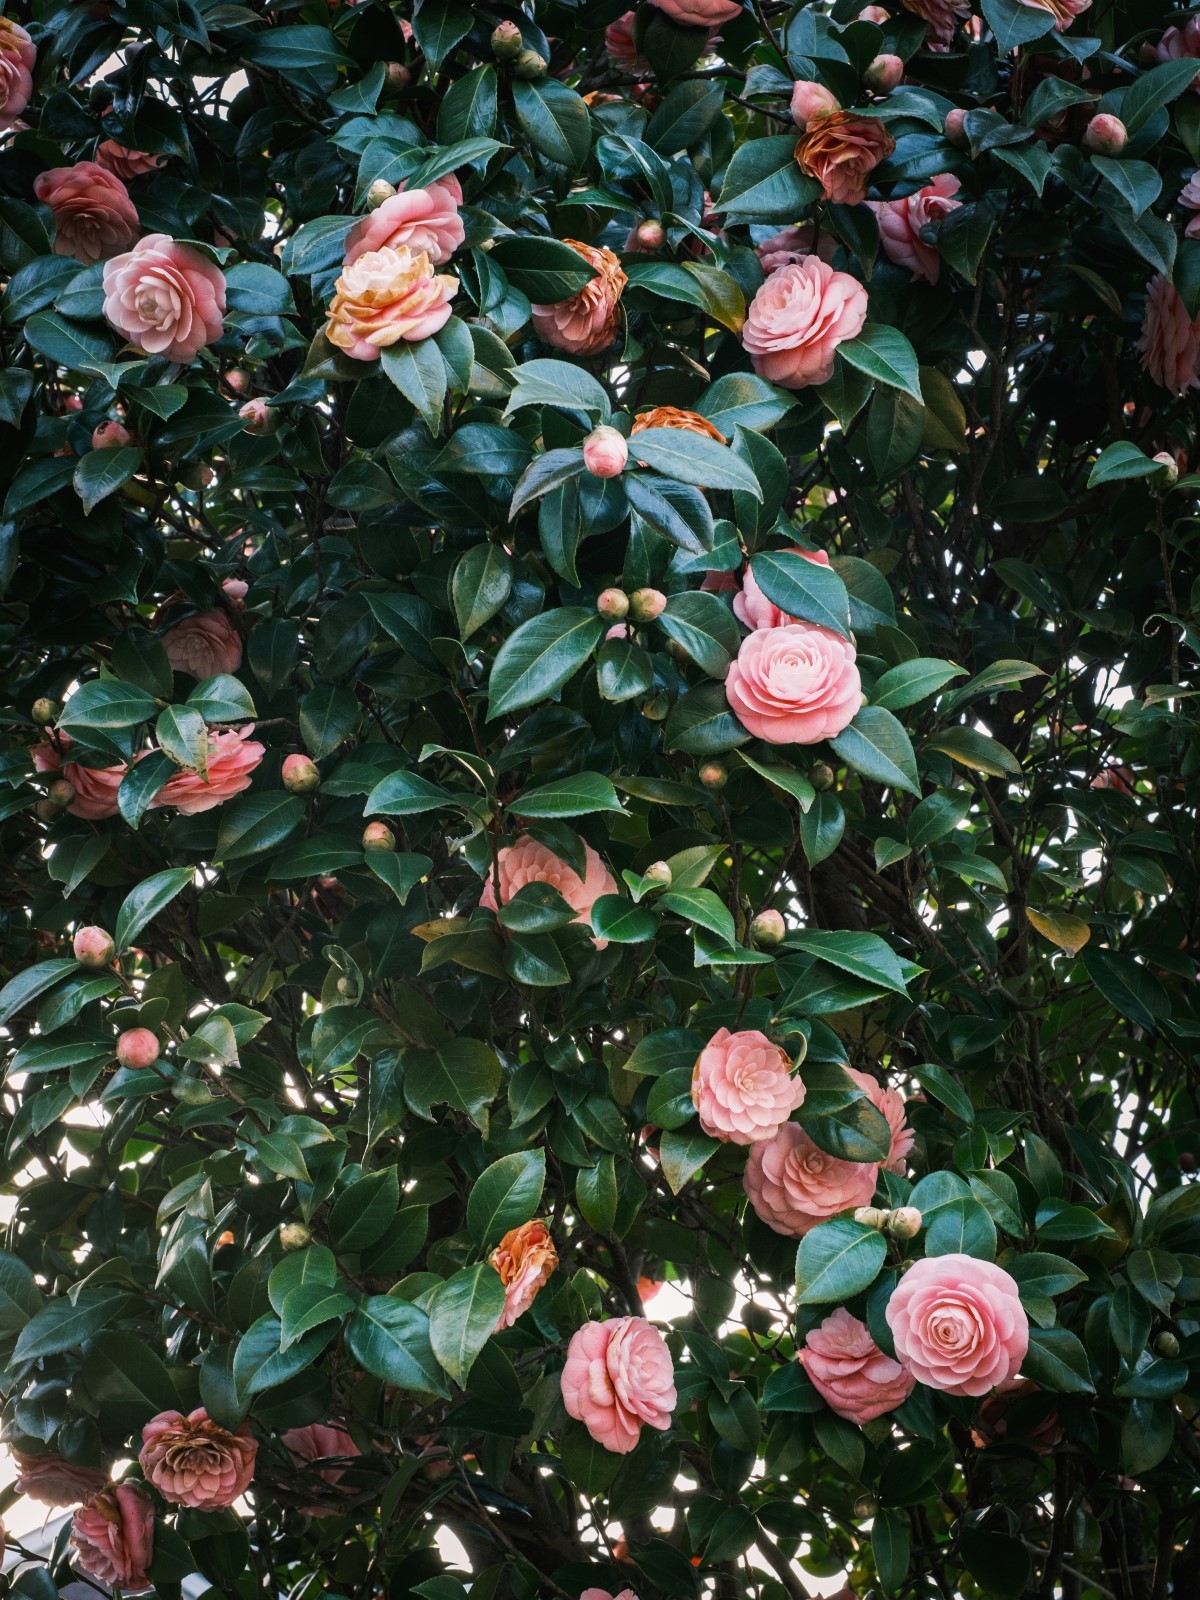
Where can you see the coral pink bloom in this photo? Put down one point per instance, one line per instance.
(1170, 341)
(618, 1378)
(125, 163)
(17, 56)
(622, 52)
(192, 1461)
(605, 1594)
(699, 13)
(204, 645)
(232, 759)
(840, 150)
(324, 1447)
(1064, 12)
(793, 1184)
(850, 1372)
(422, 219)
(55, 1481)
(587, 322)
(113, 1536)
(1181, 44)
(890, 1104)
(901, 221)
(527, 861)
(794, 685)
(941, 17)
(94, 218)
(524, 1258)
(165, 298)
(385, 296)
(95, 787)
(791, 245)
(798, 318)
(959, 1324)
(751, 606)
(743, 1086)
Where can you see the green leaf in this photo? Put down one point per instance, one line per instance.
(877, 746)
(463, 1312)
(438, 26)
(912, 681)
(418, 371)
(63, 1324)
(555, 121)
(505, 1195)
(102, 472)
(391, 1340)
(621, 922)
(884, 354)
(1119, 461)
(20, 1297)
(864, 955)
(182, 734)
(944, 1087)
(105, 705)
(480, 587)
(785, 778)
(1152, 91)
(743, 399)
(705, 628)
(977, 751)
(543, 653)
(696, 459)
(256, 823)
(803, 588)
(682, 1152)
(364, 1211)
(1155, 1274)
(623, 671)
(558, 383)
(840, 1117)
(221, 699)
(543, 268)
(762, 182)
(143, 904)
(27, 985)
(1057, 1360)
(406, 794)
(463, 1074)
(577, 796)
(1129, 986)
(890, 1545)
(701, 906)
(401, 870)
(328, 714)
(837, 1260)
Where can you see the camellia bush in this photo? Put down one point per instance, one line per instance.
(600, 762)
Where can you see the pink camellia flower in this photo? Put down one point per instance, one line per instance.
(605, 452)
(794, 685)
(527, 861)
(113, 1536)
(840, 150)
(192, 1461)
(890, 1104)
(699, 13)
(901, 221)
(125, 163)
(385, 296)
(94, 218)
(743, 1087)
(587, 322)
(165, 298)
(941, 17)
(798, 318)
(1189, 198)
(324, 1447)
(959, 1324)
(793, 244)
(232, 759)
(1170, 341)
(793, 1184)
(235, 591)
(425, 220)
(204, 644)
(93, 946)
(605, 1594)
(1181, 44)
(809, 100)
(850, 1372)
(622, 52)
(55, 1481)
(751, 606)
(618, 1378)
(17, 56)
(95, 787)
(525, 1259)
(1064, 12)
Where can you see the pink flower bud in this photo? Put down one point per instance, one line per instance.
(605, 453)
(258, 416)
(93, 946)
(612, 604)
(810, 99)
(507, 43)
(61, 793)
(300, 775)
(109, 436)
(904, 1223)
(875, 14)
(1106, 135)
(1170, 467)
(822, 776)
(137, 1048)
(884, 73)
(238, 380)
(397, 77)
(529, 65)
(378, 836)
(44, 711)
(660, 873)
(954, 129)
(870, 1217)
(379, 191)
(646, 604)
(714, 774)
(767, 930)
(649, 235)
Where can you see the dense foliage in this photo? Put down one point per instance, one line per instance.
(466, 866)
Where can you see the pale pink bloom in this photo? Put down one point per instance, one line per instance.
(794, 685)
(95, 787)
(941, 16)
(113, 1536)
(901, 221)
(527, 861)
(385, 296)
(743, 1087)
(94, 218)
(1170, 341)
(192, 1461)
(1064, 12)
(699, 13)
(17, 56)
(55, 1481)
(751, 606)
(720, 583)
(321, 1445)
(618, 1379)
(425, 220)
(622, 52)
(850, 1372)
(165, 298)
(809, 99)
(587, 322)
(126, 163)
(204, 644)
(235, 591)
(890, 1104)
(232, 759)
(791, 245)
(793, 1184)
(959, 1324)
(525, 1259)
(798, 318)
(605, 1594)
(1178, 44)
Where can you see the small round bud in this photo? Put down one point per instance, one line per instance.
(197, 475)
(612, 604)
(903, 1223)
(507, 42)
(379, 191)
(954, 129)
(294, 1235)
(301, 775)
(871, 1217)
(109, 436)
(768, 930)
(646, 604)
(605, 452)
(396, 78)
(756, 1318)
(61, 793)
(1166, 1345)
(1170, 468)
(657, 708)
(93, 946)
(1187, 1162)
(810, 100)
(238, 380)
(258, 416)
(649, 235)
(866, 1505)
(378, 836)
(714, 774)
(137, 1048)
(884, 73)
(660, 873)
(44, 710)
(529, 65)
(46, 811)
(822, 776)
(1106, 135)
(874, 14)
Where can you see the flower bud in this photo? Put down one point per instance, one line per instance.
(660, 873)
(378, 836)
(768, 930)
(44, 711)
(612, 604)
(137, 1048)
(1106, 135)
(1170, 468)
(866, 1505)
(379, 191)
(61, 793)
(756, 1318)
(903, 1223)
(646, 604)
(810, 100)
(93, 946)
(396, 78)
(46, 811)
(507, 43)
(1167, 1346)
(875, 14)
(294, 1235)
(822, 776)
(301, 775)
(884, 73)
(871, 1217)
(954, 129)
(529, 65)
(649, 235)
(258, 416)
(1187, 1162)
(714, 774)
(109, 436)
(605, 452)
(657, 707)
(238, 380)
